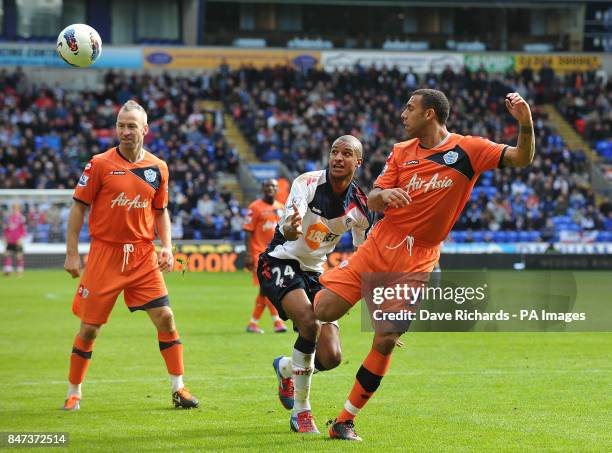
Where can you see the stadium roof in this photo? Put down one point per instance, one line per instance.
(468, 3)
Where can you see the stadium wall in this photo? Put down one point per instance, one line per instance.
(224, 256)
(182, 58)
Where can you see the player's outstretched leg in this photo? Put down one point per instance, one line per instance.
(171, 350)
(260, 306)
(79, 362)
(299, 309)
(327, 357)
(367, 380)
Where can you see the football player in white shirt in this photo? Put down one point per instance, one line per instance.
(321, 207)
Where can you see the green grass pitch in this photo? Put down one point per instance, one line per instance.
(444, 392)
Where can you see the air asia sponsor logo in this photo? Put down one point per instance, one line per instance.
(434, 183)
(269, 225)
(316, 234)
(117, 172)
(411, 162)
(124, 201)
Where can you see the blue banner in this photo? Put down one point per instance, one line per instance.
(264, 171)
(45, 55)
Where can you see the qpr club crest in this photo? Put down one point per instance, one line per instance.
(450, 157)
(150, 175)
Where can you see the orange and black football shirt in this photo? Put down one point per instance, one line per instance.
(439, 181)
(123, 195)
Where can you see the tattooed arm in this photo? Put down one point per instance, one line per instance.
(522, 154)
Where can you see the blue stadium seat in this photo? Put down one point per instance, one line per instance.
(561, 219)
(490, 191)
(604, 236)
(512, 236)
(478, 236)
(534, 236)
(500, 236)
(458, 236)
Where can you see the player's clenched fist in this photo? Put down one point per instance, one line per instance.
(72, 265)
(518, 108)
(395, 198)
(293, 226)
(165, 259)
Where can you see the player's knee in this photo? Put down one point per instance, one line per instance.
(163, 318)
(89, 332)
(166, 321)
(308, 328)
(330, 359)
(385, 342)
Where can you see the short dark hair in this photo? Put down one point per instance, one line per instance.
(436, 100)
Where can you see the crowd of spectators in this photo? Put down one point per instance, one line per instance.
(47, 134)
(293, 116)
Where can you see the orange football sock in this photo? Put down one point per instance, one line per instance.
(171, 350)
(368, 379)
(79, 360)
(271, 307)
(260, 306)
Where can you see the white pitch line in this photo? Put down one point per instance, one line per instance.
(332, 374)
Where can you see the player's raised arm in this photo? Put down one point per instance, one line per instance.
(522, 154)
(72, 264)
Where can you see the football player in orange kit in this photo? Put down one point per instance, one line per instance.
(259, 224)
(126, 189)
(422, 189)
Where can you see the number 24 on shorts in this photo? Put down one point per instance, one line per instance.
(279, 274)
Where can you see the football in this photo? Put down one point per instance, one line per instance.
(79, 45)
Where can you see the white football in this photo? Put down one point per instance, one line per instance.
(79, 45)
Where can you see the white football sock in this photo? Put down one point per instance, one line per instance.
(74, 389)
(177, 382)
(286, 367)
(303, 365)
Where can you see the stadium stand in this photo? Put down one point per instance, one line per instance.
(292, 116)
(47, 134)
